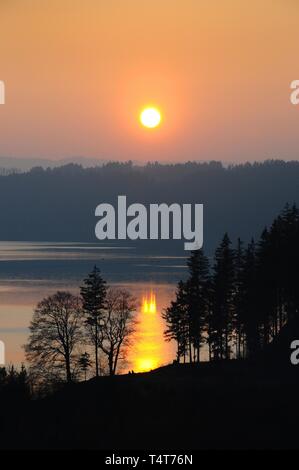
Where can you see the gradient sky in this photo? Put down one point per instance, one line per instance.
(78, 72)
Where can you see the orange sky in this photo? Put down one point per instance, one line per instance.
(78, 72)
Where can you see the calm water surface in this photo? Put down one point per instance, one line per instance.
(30, 271)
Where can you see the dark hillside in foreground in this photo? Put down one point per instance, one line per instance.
(217, 405)
(210, 406)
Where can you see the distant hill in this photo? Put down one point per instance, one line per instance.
(58, 204)
(25, 164)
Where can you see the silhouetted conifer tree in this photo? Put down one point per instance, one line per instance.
(177, 322)
(249, 301)
(93, 294)
(84, 363)
(196, 300)
(238, 300)
(221, 320)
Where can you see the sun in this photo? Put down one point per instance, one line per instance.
(150, 117)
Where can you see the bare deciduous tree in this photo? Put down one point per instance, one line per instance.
(55, 335)
(117, 325)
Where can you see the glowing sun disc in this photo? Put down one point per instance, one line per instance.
(150, 117)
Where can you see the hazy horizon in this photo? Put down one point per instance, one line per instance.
(27, 163)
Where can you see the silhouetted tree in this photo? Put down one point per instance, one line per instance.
(177, 322)
(93, 294)
(249, 301)
(14, 384)
(84, 363)
(55, 334)
(221, 320)
(288, 257)
(117, 326)
(265, 287)
(249, 298)
(238, 299)
(196, 300)
(3, 375)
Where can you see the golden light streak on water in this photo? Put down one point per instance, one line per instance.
(149, 304)
(149, 348)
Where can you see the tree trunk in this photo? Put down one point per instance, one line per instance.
(110, 362)
(239, 345)
(68, 368)
(116, 358)
(221, 345)
(96, 349)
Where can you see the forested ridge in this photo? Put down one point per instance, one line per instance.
(58, 204)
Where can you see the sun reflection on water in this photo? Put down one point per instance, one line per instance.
(149, 304)
(148, 350)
